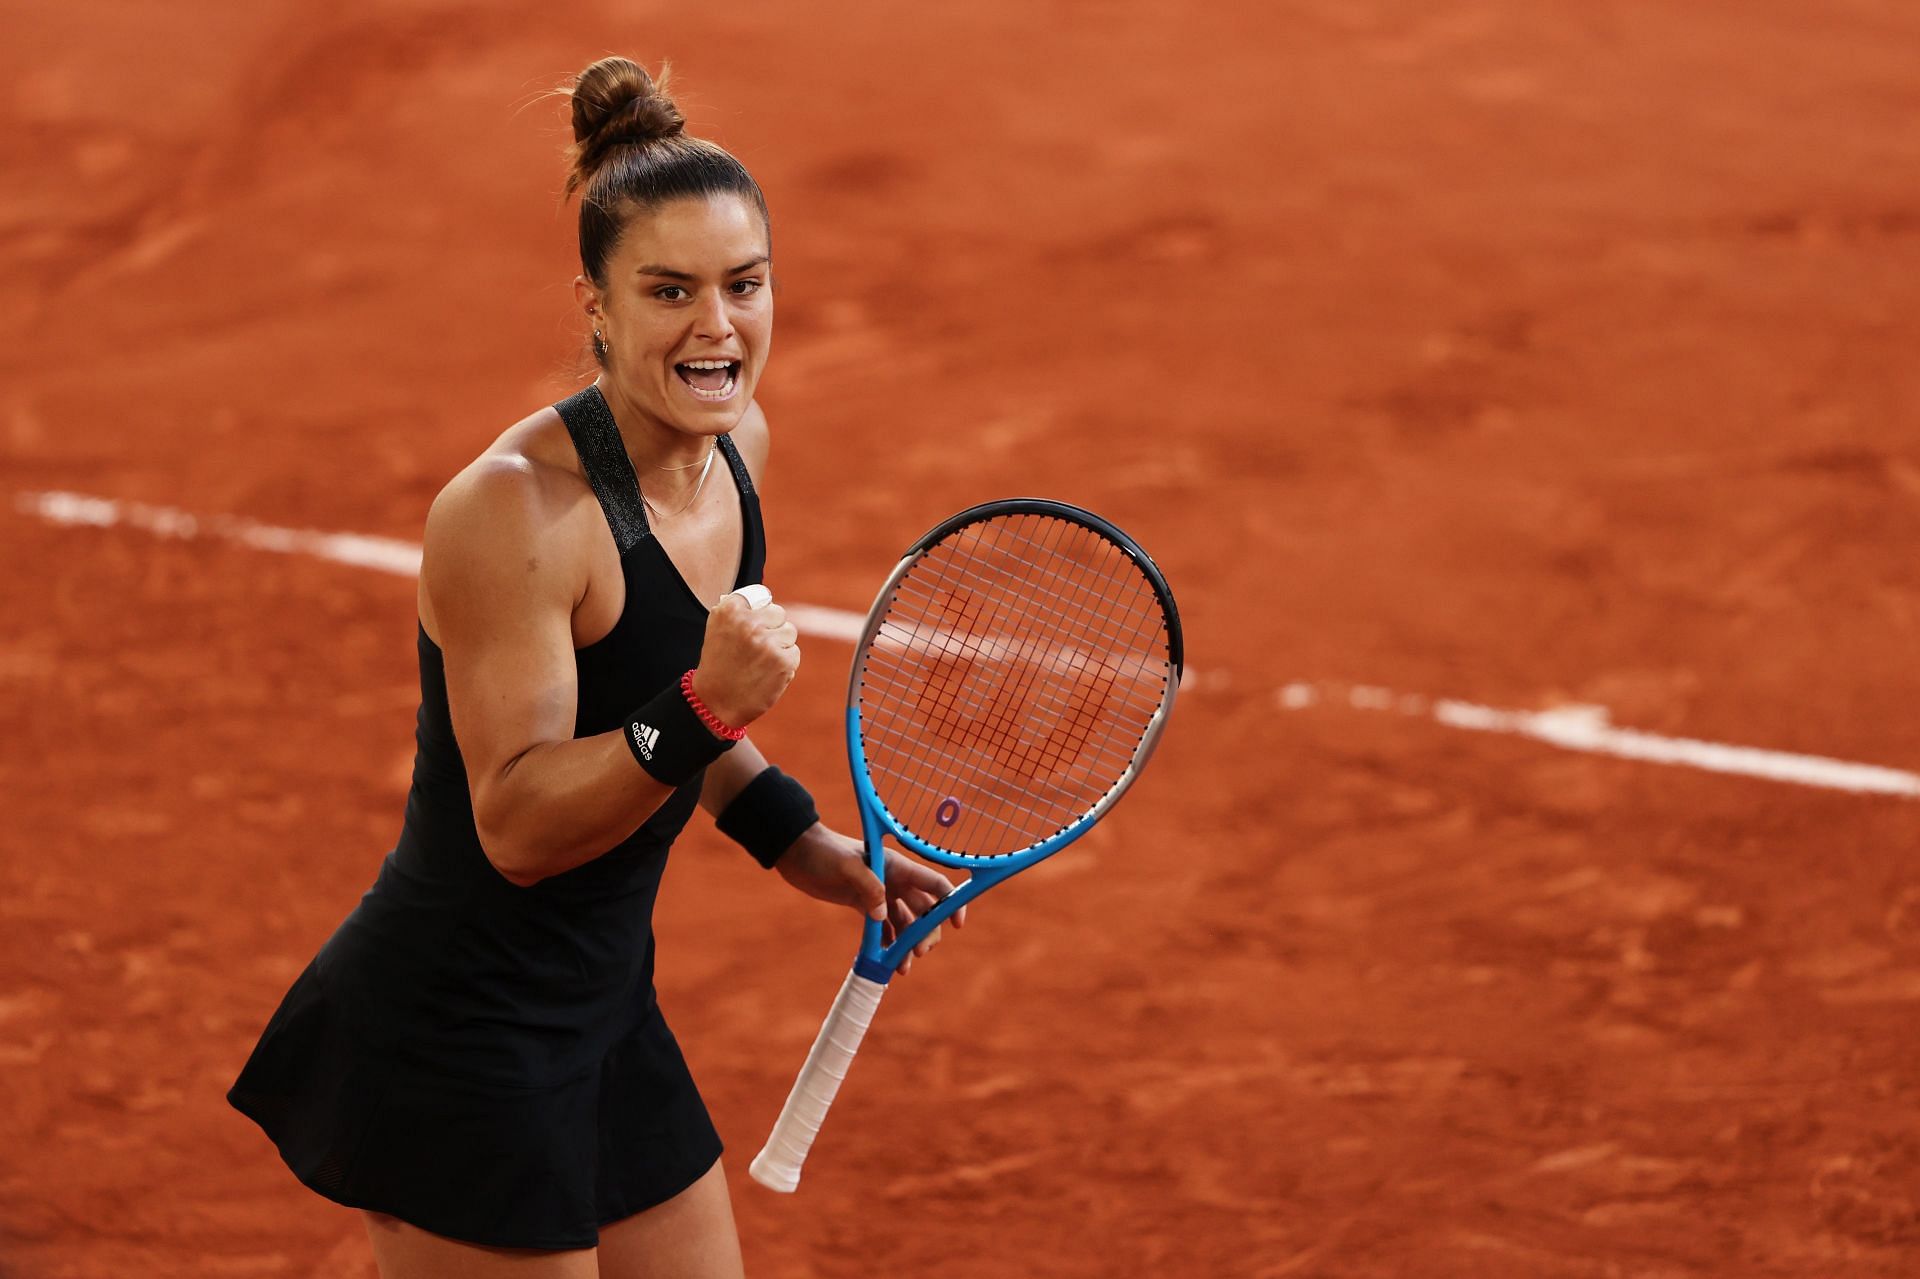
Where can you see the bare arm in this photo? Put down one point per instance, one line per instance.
(503, 584)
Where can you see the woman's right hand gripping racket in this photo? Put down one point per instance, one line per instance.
(1010, 683)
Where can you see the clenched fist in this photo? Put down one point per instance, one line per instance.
(747, 659)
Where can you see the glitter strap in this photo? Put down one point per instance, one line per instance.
(604, 460)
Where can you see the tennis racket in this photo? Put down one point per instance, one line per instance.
(1010, 683)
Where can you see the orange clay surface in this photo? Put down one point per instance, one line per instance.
(1524, 353)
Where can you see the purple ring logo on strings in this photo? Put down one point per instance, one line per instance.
(948, 813)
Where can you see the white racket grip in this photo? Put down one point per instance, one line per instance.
(778, 1165)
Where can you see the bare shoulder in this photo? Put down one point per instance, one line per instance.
(514, 511)
(751, 437)
(518, 489)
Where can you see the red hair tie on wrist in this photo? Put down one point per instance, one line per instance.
(707, 717)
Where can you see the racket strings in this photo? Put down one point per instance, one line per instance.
(1069, 794)
(966, 642)
(1111, 573)
(1097, 608)
(1114, 633)
(1103, 753)
(1013, 676)
(1020, 798)
(1001, 718)
(1078, 704)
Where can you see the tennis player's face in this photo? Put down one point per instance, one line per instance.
(687, 312)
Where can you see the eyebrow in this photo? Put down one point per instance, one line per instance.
(668, 273)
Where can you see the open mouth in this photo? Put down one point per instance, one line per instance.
(710, 379)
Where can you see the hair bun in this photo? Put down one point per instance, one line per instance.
(616, 103)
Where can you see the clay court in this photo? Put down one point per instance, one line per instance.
(1541, 357)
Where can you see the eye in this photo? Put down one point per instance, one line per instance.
(743, 288)
(671, 293)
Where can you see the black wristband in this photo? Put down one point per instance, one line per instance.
(768, 814)
(669, 740)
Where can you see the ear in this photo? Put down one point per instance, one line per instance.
(587, 294)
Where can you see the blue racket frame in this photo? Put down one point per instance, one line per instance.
(877, 962)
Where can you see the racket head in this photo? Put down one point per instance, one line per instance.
(1011, 680)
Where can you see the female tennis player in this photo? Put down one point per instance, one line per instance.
(475, 1058)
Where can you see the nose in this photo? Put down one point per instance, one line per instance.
(710, 320)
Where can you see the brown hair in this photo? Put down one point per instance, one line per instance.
(631, 152)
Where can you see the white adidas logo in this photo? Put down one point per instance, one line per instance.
(645, 739)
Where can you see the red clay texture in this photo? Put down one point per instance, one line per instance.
(1529, 354)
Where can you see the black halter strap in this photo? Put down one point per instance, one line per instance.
(603, 457)
(738, 464)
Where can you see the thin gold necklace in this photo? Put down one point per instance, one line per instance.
(698, 485)
(688, 467)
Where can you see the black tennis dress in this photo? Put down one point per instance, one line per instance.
(483, 1061)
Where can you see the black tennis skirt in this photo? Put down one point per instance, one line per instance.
(487, 1164)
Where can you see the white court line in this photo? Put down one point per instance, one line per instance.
(1588, 729)
(1574, 728)
(389, 555)
(385, 554)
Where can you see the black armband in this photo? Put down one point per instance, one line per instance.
(669, 739)
(768, 815)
